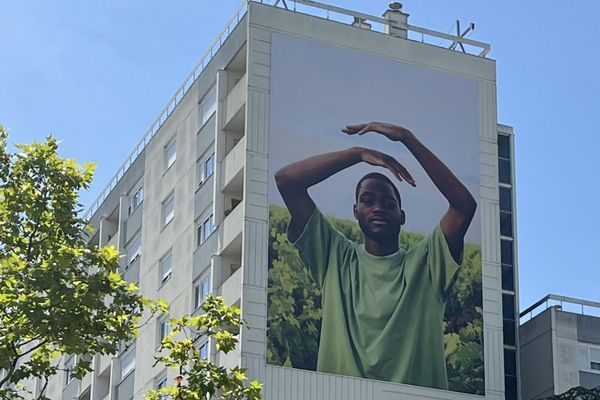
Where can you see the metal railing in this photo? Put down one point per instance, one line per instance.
(553, 300)
(334, 13)
(340, 14)
(168, 109)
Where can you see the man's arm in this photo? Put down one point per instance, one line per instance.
(294, 179)
(462, 205)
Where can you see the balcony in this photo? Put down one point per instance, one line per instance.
(234, 105)
(232, 177)
(231, 232)
(231, 289)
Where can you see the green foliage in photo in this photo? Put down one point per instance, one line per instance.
(294, 307)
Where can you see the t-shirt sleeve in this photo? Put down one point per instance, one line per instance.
(442, 266)
(319, 245)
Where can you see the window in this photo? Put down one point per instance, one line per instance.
(69, 367)
(201, 290)
(160, 383)
(134, 250)
(589, 358)
(208, 105)
(205, 229)
(168, 210)
(127, 362)
(506, 258)
(163, 329)
(203, 349)
(508, 319)
(170, 154)
(506, 224)
(206, 167)
(165, 269)
(504, 159)
(510, 374)
(136, 199)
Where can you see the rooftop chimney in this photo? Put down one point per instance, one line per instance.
(396, 17)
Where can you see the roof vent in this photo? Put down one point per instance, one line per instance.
(361, 23)
(397, 20)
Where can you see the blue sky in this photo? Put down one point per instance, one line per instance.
(96, 74)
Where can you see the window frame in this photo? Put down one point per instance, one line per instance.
(69, 367)
(166, 218)
(131, 258)
(201, 233)
(133, 203)
(589, 360)
(165, 277)
(199, 287)
(207, 112)
(170, 160)
(163, 328)
(203, 344)
(131, 366)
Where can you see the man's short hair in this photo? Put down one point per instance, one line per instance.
(381, 177)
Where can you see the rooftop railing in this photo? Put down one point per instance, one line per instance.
(168, 109)
(563, 303)
(314, 8)
(378, 24)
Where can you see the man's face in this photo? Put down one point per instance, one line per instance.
(378, 211)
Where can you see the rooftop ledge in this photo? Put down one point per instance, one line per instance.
(314, 8)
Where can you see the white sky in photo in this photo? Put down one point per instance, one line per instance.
(318, 89)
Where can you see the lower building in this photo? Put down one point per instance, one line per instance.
(560, 346)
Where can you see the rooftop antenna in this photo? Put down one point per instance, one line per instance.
(282, 1)
(470, 28)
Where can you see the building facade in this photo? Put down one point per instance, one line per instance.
(189, 208)
(560, 346)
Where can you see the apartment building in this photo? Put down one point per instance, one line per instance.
(189, 208)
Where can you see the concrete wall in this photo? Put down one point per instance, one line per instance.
(549, 352)
(566, 370)
(537, 378)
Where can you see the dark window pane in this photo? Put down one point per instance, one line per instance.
(509, 332)
(504, 171)
(510, 387)
(506, 252)
(505, 199)
(506, 224)
(510, 362)
(503, 146)
(508, 306)
(508, 278)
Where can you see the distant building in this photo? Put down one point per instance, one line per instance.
(560, 346)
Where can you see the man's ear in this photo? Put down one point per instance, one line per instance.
(354, 211)
(402, 217)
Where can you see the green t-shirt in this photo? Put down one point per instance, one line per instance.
(382, 316)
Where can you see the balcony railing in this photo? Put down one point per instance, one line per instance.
(564, 303)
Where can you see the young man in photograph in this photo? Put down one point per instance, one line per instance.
(383, 307)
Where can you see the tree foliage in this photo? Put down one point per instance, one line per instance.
(58, 294)
(198, 378)
(294, 307)
(61, 295)
(577, 393)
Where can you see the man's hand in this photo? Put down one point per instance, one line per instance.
(379, 159)
(392, 132)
